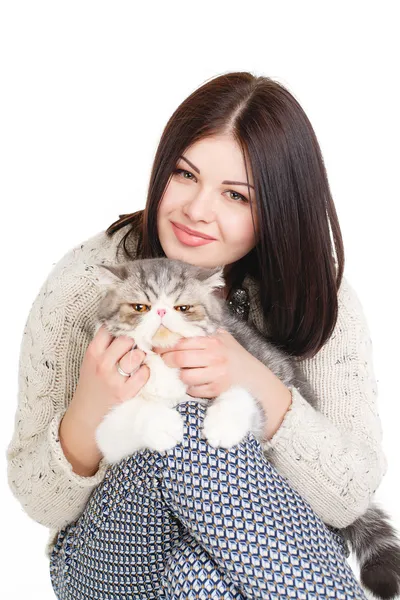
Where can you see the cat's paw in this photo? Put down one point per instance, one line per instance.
(116, 436)
(165, 430)
(224, 427)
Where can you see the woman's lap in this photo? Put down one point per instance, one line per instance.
(234, 528)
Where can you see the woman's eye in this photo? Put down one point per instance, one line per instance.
(238, 196)
(242, 198)
(178, 171)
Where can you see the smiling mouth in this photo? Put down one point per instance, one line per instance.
(191, 232)
(188, 239)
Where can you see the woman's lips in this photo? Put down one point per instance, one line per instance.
(187, 239)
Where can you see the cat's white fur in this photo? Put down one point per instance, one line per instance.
(149, 420)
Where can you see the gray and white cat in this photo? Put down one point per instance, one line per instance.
(188, 306)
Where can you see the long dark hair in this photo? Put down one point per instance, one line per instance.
(293, 261)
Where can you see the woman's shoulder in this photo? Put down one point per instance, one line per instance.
(350, 339)
(72, 284)
(78, 263)
(351, 321)
(349, 302)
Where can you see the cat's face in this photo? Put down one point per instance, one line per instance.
(158, 300)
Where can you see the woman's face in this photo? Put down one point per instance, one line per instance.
(197, 197)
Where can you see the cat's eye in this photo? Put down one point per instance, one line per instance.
(140, 307)
(185, 307)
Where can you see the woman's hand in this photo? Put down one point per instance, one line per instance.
(209, 365)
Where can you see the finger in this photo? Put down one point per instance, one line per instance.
(158, 350)
(200, 391)
(191, 343)
(186, 359)
(101, 340)
(220, 330)
(137, 380)
(193, 377)
(119, 346)
(132, 360)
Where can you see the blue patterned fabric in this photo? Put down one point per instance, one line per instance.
(199, 522)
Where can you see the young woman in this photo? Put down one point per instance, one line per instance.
(238, 162)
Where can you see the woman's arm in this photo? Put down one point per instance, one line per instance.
(55, 338)
(331, 453)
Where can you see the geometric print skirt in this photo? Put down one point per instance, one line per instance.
(197, 522)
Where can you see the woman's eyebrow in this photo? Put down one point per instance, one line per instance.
(225, 181)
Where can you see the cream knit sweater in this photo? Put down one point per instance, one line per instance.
(331, 455)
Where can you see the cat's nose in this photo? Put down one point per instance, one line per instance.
(161, 311)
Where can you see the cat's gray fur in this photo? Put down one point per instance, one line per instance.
(371, 537)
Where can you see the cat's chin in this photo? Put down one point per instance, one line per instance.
(165, 338)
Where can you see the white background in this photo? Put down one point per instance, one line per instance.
(86, 89)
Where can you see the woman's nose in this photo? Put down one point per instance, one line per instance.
(161, 311)
(200, 208)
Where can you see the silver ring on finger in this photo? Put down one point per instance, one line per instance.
(121, 371)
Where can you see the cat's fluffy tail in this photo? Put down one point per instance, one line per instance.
(377, 548)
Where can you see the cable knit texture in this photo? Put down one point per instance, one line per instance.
(331, 454)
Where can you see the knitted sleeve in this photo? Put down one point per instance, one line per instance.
(56, 335)
(332, 453)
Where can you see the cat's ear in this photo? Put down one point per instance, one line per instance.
(214, 278)
(111, 274)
